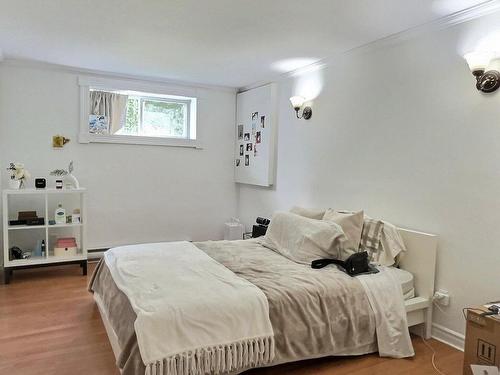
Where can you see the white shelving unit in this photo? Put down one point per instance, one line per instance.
(44, 200)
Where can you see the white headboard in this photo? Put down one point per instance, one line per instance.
(420, 260)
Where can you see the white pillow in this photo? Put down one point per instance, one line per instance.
(302, 239)
(311, 213)
(351, 223)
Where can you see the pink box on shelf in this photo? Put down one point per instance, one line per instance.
(66, 242)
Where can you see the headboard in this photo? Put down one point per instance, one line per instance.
(420, 260)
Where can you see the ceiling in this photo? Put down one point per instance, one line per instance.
(222, 42)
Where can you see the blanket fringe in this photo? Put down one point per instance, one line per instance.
(217, 359)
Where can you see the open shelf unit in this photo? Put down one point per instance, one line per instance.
(44, 202)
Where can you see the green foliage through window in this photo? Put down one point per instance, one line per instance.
(132, 119)
(153, 117)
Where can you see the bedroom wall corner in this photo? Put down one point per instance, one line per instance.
(399, 130)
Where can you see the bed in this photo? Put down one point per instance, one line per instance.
(298, 303)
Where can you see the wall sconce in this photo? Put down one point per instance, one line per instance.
(486, 81)
(297, 103)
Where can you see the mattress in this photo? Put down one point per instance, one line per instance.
(313, 313)
(405, 278)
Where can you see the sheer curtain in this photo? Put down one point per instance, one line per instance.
(111, 105)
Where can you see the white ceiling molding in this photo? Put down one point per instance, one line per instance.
(25, 63)
(462, 16)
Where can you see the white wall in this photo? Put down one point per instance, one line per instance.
(400, 131)
(135, 193)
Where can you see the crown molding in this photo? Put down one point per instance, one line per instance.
(469, 14)
(35, 64)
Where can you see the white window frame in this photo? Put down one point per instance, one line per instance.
(167, 92)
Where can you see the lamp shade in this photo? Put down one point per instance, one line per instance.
(478, 60)
(297, 101)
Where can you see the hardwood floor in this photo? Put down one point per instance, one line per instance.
(49, 324)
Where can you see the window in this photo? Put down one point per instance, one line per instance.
(149, 116)
(111, 114)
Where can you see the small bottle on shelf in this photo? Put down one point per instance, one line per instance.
(60, 214)
(76, 218)
(43, 251)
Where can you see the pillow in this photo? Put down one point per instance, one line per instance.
(382, 241)
(302, 239)
(370, 236)
(311, 213)
(391, 245)
(351, 223)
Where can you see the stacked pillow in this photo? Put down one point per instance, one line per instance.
(351, 223)
(311, 213)
(302, 239)
(362, 233)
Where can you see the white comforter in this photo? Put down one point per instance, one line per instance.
(193, 314)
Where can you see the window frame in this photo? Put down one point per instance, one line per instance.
(163, 91)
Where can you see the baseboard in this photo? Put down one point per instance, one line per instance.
(448, 336)
(96, 254)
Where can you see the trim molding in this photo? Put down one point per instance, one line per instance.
(27, 63)
(480, 10)
(448, 336)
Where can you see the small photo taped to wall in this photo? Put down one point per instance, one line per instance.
(241, 150)
(240, 132)
(258, 137)
(262, 122)
(247, 137)
(247, 160)
(249, 146)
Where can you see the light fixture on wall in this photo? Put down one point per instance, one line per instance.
(486, 80)
(297, 103)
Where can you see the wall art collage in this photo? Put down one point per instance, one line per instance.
(249, 143)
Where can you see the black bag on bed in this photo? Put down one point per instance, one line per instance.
(356, 264)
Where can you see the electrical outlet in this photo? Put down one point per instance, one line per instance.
(486, 351)
(442, 297)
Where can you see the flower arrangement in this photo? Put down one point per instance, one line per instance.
(18, 175)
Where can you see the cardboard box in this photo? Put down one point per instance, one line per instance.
(482, 340)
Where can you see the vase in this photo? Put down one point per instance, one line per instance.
(15, 184)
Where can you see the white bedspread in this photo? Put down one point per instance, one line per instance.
(193, 314)
(386, 299)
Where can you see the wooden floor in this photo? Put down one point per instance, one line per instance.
(49, 324)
